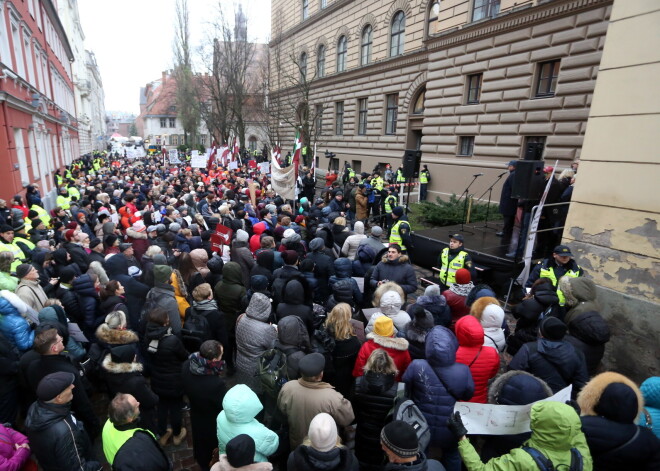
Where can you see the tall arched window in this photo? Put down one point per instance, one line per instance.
(320, 61)
(341, 54)
(398, 34)
(418, 106)
(365, 47)
(303, 66)
(434, 13)
(305, 9)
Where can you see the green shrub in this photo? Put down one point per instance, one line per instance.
(182, 148)
(447, 213)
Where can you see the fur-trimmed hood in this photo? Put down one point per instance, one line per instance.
(517, 387)
(480, 304)
(401, 259)
(590, 396)
(98, 270)
(115, 336)
(395, 343)
(117, 368)
(135, 234)
(577, 290)
(223, 465)
(384, 288)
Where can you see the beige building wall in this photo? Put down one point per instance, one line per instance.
(506, 49)
(613, 219)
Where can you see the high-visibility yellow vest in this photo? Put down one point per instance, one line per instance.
(378, 183)
(16, 250)
(424, 176)
(395, 234)
(63, 202)
(448, 269)
(547, 272)
(27, 242)
(351, 172)
(114, 439)
(58, 180)
(399, 176)
(73, 191)
(43, 214)
(390, 202)
(68, 175)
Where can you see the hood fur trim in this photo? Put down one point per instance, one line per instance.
(112, 367)
(223, 465)
(115, 336)
(590, 395)
(402, 259)
(480, 304)
(384, 288)
(395, 343)
(135, 234)
(98, 270)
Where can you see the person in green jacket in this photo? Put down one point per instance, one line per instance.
(7, 281)
(556, 435)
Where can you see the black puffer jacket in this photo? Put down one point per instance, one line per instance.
(88, 300)
(589, 333)
(59, 443)
(528, 312)
(324, 268)
(297, 301)
(117, 269)
(70, 304)
(373, 400)
(141, 452)
(78, 256)
(293, 340)
(338, 459)
(166, 355)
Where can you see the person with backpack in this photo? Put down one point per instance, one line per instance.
(401, 445)
(162, 296)
(557, 442)
(436, 384)
(342, 285)
(344, 348)
(203, 319)
(293, 341)
(254, 335)
(374, 397)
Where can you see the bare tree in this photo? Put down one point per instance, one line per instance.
(188, 103)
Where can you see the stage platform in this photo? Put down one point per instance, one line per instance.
(485, 248)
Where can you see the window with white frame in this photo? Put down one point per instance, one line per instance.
(432, 22)
(305, 9)
(17, 44)
(485, 9)
(172, 122)
(365, 46)
(20, 154)
(27, 47)
(398, 34)
(320, 61)
(31, 8)
(163, 122)
(341, 54)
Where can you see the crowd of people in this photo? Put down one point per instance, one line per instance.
(291, 331)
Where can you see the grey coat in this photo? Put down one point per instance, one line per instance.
(163, 296)
(254, 335)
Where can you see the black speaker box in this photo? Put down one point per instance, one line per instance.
(528, 181)
(411, 161)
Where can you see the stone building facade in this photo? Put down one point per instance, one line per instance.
(471, 83)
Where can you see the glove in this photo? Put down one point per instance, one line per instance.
(574, 405)
(455, 425)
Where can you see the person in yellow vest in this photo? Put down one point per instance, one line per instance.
(59, 181)
(399, 175)
(124, 439)
(400, 232)
(388, 205)
(73, 191)
(424, 179)
(63, 199)
(377, 184)
(452, 259)
(22, 240)
(41, 214)
(7, 245)
(561, 264)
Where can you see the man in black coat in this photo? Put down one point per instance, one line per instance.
(59, 442)
(508, 205)
(205, 389)
(126, 445)
(78, 254)
(67, 296)
(324, 266)
(49, 344)
(117, 269)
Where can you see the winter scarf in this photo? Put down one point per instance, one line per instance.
(461, 290)
(200, 366)
(206, 305)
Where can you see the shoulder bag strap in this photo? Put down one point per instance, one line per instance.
(475, 358)
(444, 384)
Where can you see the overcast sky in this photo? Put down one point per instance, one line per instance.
(132, 39)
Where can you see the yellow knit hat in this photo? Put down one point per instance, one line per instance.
(384, 326)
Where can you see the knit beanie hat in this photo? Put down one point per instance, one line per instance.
(110, 240)
(316, 244)
(400, 438)
(123, 353)
(240, 451)
(175, 227)
(22, 270)
(68, 235)
(67, 274)
(432, 290)
(384, 326)
(162, 273)
(36, 222)
(259, 303)
(159, 259)
(242, 236)
(94, 242)
(463, 276)
(288, 233)
(323, 432)
(553, 328)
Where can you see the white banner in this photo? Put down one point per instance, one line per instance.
(264, 167)
(198, 161)
(232, 165)
(283, 181)
(173, 156)
(531, 234)
(131, 154)
(493, 419)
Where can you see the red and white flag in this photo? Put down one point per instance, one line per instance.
(297, 151)
(214, 151)
(224, 155)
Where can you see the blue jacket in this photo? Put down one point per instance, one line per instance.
(88, 300)
(344, 271)
(436, 398)
(240, 406)
(14, 327)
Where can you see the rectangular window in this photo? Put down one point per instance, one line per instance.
(44, 65)
(391, 114)
(356, 165)
(31, 8)
(362, 116)
(163, 122)
(28, 59)
(175, 140)
(202, 140)
(339, 118)
(324, 3)
(546, 82)
(473, 89)
(305, 9)
(172, 122)
(466, 145)
(5, 55)
(18, 49)
(485, 9)
(318, 118)
(20, 154)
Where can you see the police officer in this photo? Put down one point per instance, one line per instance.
(348, 173)
(452, 259)
(388, 205)
(424, 179)
(400, 232)
(377, 183)
(7, 245)
(561, 264)
(63, 199)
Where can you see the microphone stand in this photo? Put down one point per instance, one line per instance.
(489, 190)
(466, 193)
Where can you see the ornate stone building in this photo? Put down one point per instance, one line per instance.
(471, 83)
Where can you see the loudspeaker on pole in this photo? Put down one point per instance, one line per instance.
(528, 181)
(411, 162)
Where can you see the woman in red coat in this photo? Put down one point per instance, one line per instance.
(484, 362)
(456, 295)
(383, 337)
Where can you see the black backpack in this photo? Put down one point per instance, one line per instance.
(149, 305)
(195, 330)
(272, 371)
(545, 464)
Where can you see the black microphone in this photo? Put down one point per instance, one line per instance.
(477, 174)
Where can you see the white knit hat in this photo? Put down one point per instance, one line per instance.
(323, 432)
